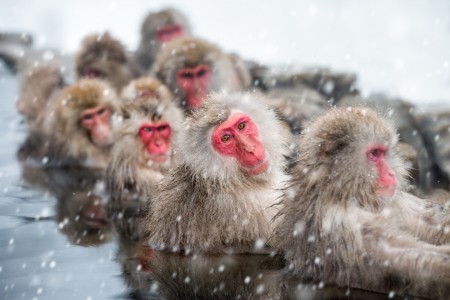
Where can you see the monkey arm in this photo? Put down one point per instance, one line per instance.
(417, 264)
(427, 220)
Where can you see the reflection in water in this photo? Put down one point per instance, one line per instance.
(80, 210)
(151, 274)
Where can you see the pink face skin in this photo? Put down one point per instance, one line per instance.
(195, 82)
(239, 137)
(167, 33)
(387, 182)
(156, 137)
(96, 120)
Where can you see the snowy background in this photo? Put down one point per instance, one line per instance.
(399, 47)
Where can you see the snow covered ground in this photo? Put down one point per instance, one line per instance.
(398, 47)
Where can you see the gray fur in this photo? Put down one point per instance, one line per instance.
(335, 228)
(209, 203)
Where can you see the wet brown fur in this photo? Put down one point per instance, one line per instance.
(71, 141)
(109, 56)
(38, 90)
(336, 229)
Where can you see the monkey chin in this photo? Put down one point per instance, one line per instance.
(102, 141)
(159, 159)
(260, 168)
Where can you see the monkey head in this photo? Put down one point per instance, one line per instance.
(153, 116)
(143, 149)
(157, 29)
(83, 112)
(38, 85)
(354, 150)
(102, 56)
(235, 136)
(191, 68)
(161, 27)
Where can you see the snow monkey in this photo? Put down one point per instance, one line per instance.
(102, 56)
(192, 67)
(157, 29)
(82, 123)
(142, 152)
(346, 220)
(39, 87)
(218, 198)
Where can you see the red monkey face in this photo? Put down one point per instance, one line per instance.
(239, 137)
(156, 137)
(165, 34)
(387, 182)
(96, 120)
(195, 82)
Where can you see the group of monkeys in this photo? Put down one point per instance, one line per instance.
(215, 167)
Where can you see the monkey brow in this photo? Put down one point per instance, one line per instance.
(156, 117)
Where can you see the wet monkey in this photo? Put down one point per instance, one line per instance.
(39, 88)
(83, 115)
(345, 219)
(145, 138)
(218, 198)
(192, 67)
(157, 29)
(101, 56)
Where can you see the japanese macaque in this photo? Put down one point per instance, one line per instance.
(83, 116)
(192, 67)
(142, 153)
(219, 197)
(39, 88)
(346, 220)
(102, 56)
(159, 28)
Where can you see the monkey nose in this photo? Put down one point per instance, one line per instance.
(247, 145)
(158, 142)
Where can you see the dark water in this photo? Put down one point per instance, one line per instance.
(50, 247)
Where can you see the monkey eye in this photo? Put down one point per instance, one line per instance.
(241, 126)
(376, 152)
(161, 128)
(147, 129)
(187, 75)
(101, 111)
(201, 73)
(226, 137)
(87, 116)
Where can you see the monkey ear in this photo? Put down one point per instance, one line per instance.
(323, 149)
